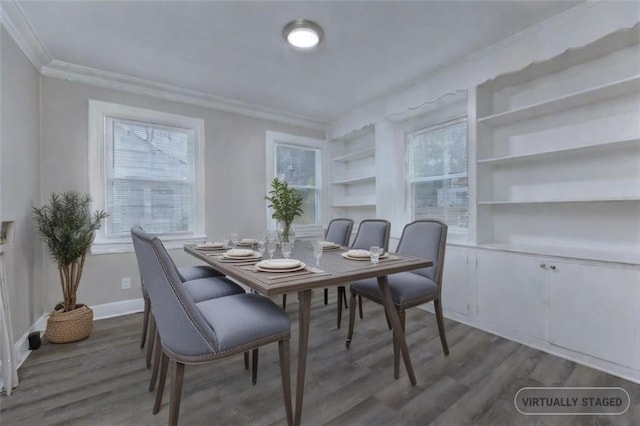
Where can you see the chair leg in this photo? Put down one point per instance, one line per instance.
(254, 366)
(352, 319)
(152, 339)
(164, 364)
(386, 316)
(440, 319)
(360, 306)
(246, 360)
(145, 321)
(156, 362)
(341, 292)
(284, 301)
(285, 372)
(326, 296)
(176, 393)
(396, 348)
(344, 298)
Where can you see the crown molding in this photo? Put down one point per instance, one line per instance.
(17, 25)
(15, 22)
(122, 82)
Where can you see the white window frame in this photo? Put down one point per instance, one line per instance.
(455, 234)
(98, 112)
(284, 139)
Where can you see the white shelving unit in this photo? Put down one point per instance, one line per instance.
(558, 153)
(353, 175)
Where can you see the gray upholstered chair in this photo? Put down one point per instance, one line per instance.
(197, 332)
(203, 283)
(422, 238)
(339, 232)
(371, 232)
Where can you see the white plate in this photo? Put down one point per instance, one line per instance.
(346, 256)
(239, 253)
(300, 267)
(277, 264)
(247, 242)
(328, 244)
(210, 246)
(359, 253)
(254, 256)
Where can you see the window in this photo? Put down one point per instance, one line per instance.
(437, 181)
(146, 170)
(298, 161)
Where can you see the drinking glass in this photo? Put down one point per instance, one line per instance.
(235, 238)
(285, 248)
(317, 251)
(261, 247)
(271, 248)
(375, 253)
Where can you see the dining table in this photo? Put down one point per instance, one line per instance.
(334, 269)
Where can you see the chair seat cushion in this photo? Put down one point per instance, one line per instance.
(210, 288)
(243, 319)
(188, 273)
(405, 287)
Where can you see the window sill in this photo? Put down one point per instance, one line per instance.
(126, 246)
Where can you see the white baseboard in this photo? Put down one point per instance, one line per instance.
(103, 311)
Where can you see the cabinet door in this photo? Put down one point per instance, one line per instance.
(596, 310)
(512, 294)
(455, 281)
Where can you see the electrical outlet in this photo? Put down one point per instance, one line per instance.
(125, 284)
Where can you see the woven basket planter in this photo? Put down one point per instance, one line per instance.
(67, 327)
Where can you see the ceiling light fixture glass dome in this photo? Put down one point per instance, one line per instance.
(303, 34)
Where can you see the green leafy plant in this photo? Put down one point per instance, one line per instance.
(68, 228)
(286, 203)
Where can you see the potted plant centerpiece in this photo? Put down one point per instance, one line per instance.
(286, 203)
(68, 228)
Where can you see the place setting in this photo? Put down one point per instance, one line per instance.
(212, 246)
(238, 255)
(375, 254)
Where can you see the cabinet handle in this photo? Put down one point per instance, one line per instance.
(552, 267)
(543, 265)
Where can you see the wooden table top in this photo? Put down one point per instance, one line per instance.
(336, 269)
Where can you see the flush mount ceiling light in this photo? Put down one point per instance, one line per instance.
(303, 34)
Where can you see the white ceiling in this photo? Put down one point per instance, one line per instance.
(235, 49)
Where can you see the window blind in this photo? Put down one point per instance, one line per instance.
(150, 177)
(437, 180)
(299, 167)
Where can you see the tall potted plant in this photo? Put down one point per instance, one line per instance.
(68, 227)
(286, 203)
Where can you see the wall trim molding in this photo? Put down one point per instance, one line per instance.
(121, 82)
(103, 311)
(17, 25)
(14, 20)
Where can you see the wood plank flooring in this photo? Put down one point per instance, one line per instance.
(103, 380)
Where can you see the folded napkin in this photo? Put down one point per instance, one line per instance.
(358, 253)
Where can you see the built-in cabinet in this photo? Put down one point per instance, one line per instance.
(558, 154)
(565, 306)
(352, 175)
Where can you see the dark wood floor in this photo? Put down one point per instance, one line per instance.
(103, 380)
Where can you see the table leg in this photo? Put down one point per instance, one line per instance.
(398, 332)
(304, 317)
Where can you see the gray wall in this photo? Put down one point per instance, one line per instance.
(20, 181)
(234, 148)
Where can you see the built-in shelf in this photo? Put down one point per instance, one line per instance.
(355, 180)
(347, 205)
(556, 154)
(581, 200)
(358, 155)
(561, 103)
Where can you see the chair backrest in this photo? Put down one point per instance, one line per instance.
(183, 330)
(339, 231)
(427, 239)
(372, 232)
